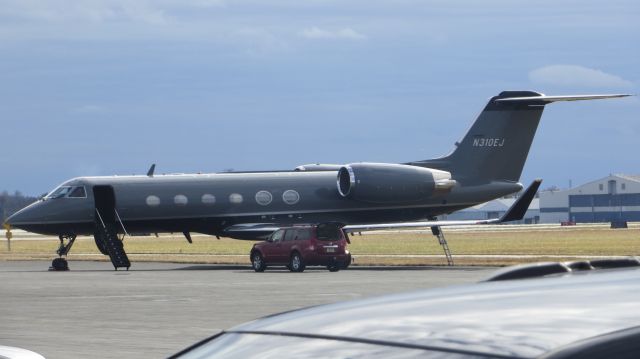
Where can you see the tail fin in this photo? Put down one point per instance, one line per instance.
(497, 144)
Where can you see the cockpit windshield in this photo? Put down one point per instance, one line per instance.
(77, 192)
(67, 191)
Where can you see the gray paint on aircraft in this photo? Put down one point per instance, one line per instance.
(486, 164)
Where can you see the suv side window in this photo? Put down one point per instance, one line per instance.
(290, 235)
(329, 232)
(303, 234)
(277, 236)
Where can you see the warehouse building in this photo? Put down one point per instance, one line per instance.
(495, 209)
(615, 198)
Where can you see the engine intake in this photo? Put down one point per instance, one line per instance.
(391, 183)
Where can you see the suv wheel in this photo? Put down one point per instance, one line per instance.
(257, 262)
(296, 263)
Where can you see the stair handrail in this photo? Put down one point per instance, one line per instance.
(120, 220)
(100, 217)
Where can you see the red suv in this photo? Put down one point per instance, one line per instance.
(302, 245)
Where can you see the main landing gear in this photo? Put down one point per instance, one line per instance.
(60, 263)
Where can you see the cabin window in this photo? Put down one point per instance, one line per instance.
(235, 198)
(263, 198)
(290, 197)
(208, 199)
(153, 201)
(180, 200)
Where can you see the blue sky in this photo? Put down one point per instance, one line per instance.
(109, 87)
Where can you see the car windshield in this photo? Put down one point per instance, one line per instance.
(329, 232)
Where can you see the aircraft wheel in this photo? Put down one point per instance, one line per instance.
(257, 262)
(296, 263)
(59, 264)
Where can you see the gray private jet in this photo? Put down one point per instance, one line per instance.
(484, 165)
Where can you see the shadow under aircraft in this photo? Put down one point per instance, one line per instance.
(485, 164)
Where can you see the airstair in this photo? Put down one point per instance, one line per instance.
(443, 242)
(107, 235)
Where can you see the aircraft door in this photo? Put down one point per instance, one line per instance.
(105, 202)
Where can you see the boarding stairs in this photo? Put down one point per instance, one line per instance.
(106, 236)
(443, 242)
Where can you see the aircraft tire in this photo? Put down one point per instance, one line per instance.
(296, 262)
(257, 262)
(59, 264)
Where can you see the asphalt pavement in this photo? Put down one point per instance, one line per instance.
(156, 309)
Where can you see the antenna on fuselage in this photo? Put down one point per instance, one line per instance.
(151, 170)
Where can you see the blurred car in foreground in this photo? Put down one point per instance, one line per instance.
(563, 310)
(303, 245)
(18, 353)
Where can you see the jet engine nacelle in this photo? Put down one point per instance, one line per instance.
(386, 182)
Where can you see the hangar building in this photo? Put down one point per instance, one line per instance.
(495, 209)
(609, 199)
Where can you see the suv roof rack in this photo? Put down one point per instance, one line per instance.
(536, 270)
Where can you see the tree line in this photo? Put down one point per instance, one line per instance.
(11, 203)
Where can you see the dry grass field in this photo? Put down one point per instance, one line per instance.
(497, 246)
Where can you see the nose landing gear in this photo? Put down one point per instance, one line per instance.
(60, 263)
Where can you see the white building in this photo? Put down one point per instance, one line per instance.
(495, 209)
(612, 198)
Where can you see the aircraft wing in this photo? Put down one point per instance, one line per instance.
(257, 231)
(514, 213)
(250, 231)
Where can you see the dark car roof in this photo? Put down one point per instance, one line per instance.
(523, 318)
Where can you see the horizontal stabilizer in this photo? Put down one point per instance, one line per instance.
(549, 99)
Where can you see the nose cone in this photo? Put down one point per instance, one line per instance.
(29, 215)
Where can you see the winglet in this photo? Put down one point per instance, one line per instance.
(519, 207)
(151, 170)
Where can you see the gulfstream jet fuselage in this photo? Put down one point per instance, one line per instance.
(485, 164)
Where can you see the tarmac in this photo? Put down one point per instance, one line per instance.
(156, 309)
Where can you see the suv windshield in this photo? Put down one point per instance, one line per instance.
(329, 232)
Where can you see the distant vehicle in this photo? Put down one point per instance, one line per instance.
(485, 164)
(303, 245)
(18, 353)
(565, 311)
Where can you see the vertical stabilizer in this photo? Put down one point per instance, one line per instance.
(496, 146)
